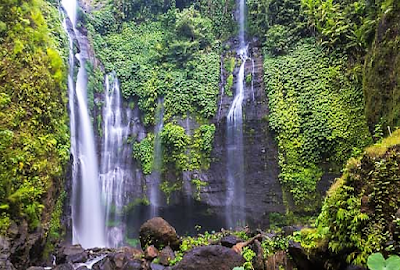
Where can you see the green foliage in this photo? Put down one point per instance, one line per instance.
(376, 261)
(360, 206)
(248, 256)
(269, 17)
(172, 56)
(33, 120)
(189, 243)
(168, 188)
(201, 147)
(342, 25)
(316, 112)
(174, 141)
(144, 152)
(198, 184)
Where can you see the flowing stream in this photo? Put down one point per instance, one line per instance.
(116, 160)
(235, 199)
(87, 213)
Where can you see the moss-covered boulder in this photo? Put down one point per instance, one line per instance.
(359, 214)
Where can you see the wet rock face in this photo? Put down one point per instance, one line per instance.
(210, 257)
(159, 233)
(263, 190)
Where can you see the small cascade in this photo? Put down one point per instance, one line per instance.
(157, 162)
(115, 159)
(87, 212)
(235, 197)
(253, 74)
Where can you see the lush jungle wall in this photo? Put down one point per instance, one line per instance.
(34, 140)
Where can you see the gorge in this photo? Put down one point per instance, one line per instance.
(256, 129)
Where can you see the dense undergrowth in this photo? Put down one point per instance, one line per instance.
(169, 52)
(317, 82)
(360, 214)
(34, 137)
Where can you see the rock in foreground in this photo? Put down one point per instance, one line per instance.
(210, 257)
(159, 233)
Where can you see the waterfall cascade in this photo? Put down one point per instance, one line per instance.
(116, 160)
(235, 198)
(157, 162)
(87, 213)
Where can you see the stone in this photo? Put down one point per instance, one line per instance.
(154, 266)
(230, 240)
(258, 260)
(151, 253)
(159, 233)
(104, 264)
(119, 259)
(166, 255)
(133, 265)
(210, 257)
(299, 256)
(131, 252)
(72, 254)
(278, 260)
(35, 268)
(65, 266)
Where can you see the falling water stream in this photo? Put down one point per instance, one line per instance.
(87, 213)
(235, 198)
(115, 166)
(154, 193)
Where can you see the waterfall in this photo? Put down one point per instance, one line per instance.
(87, 212)
(157, 162)
(115, 166)
(235, 199)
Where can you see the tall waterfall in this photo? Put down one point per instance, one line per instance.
(157, 162)
(115, 166)
(235, 199)
(87, 212)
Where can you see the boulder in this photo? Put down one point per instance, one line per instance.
(119, 259)
(151, 253)
(65, 266)
(299, 256)
(159, 233)
(104, 264)
(72, 254)
(166, 255)
(132, 253)
(154, 266)
(210, 257)
(5, 254)
(230, 240)
(133, 265)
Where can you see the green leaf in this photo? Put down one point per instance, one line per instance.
(393, 263)
(376, 262)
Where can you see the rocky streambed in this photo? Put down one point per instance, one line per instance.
(162, 249)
